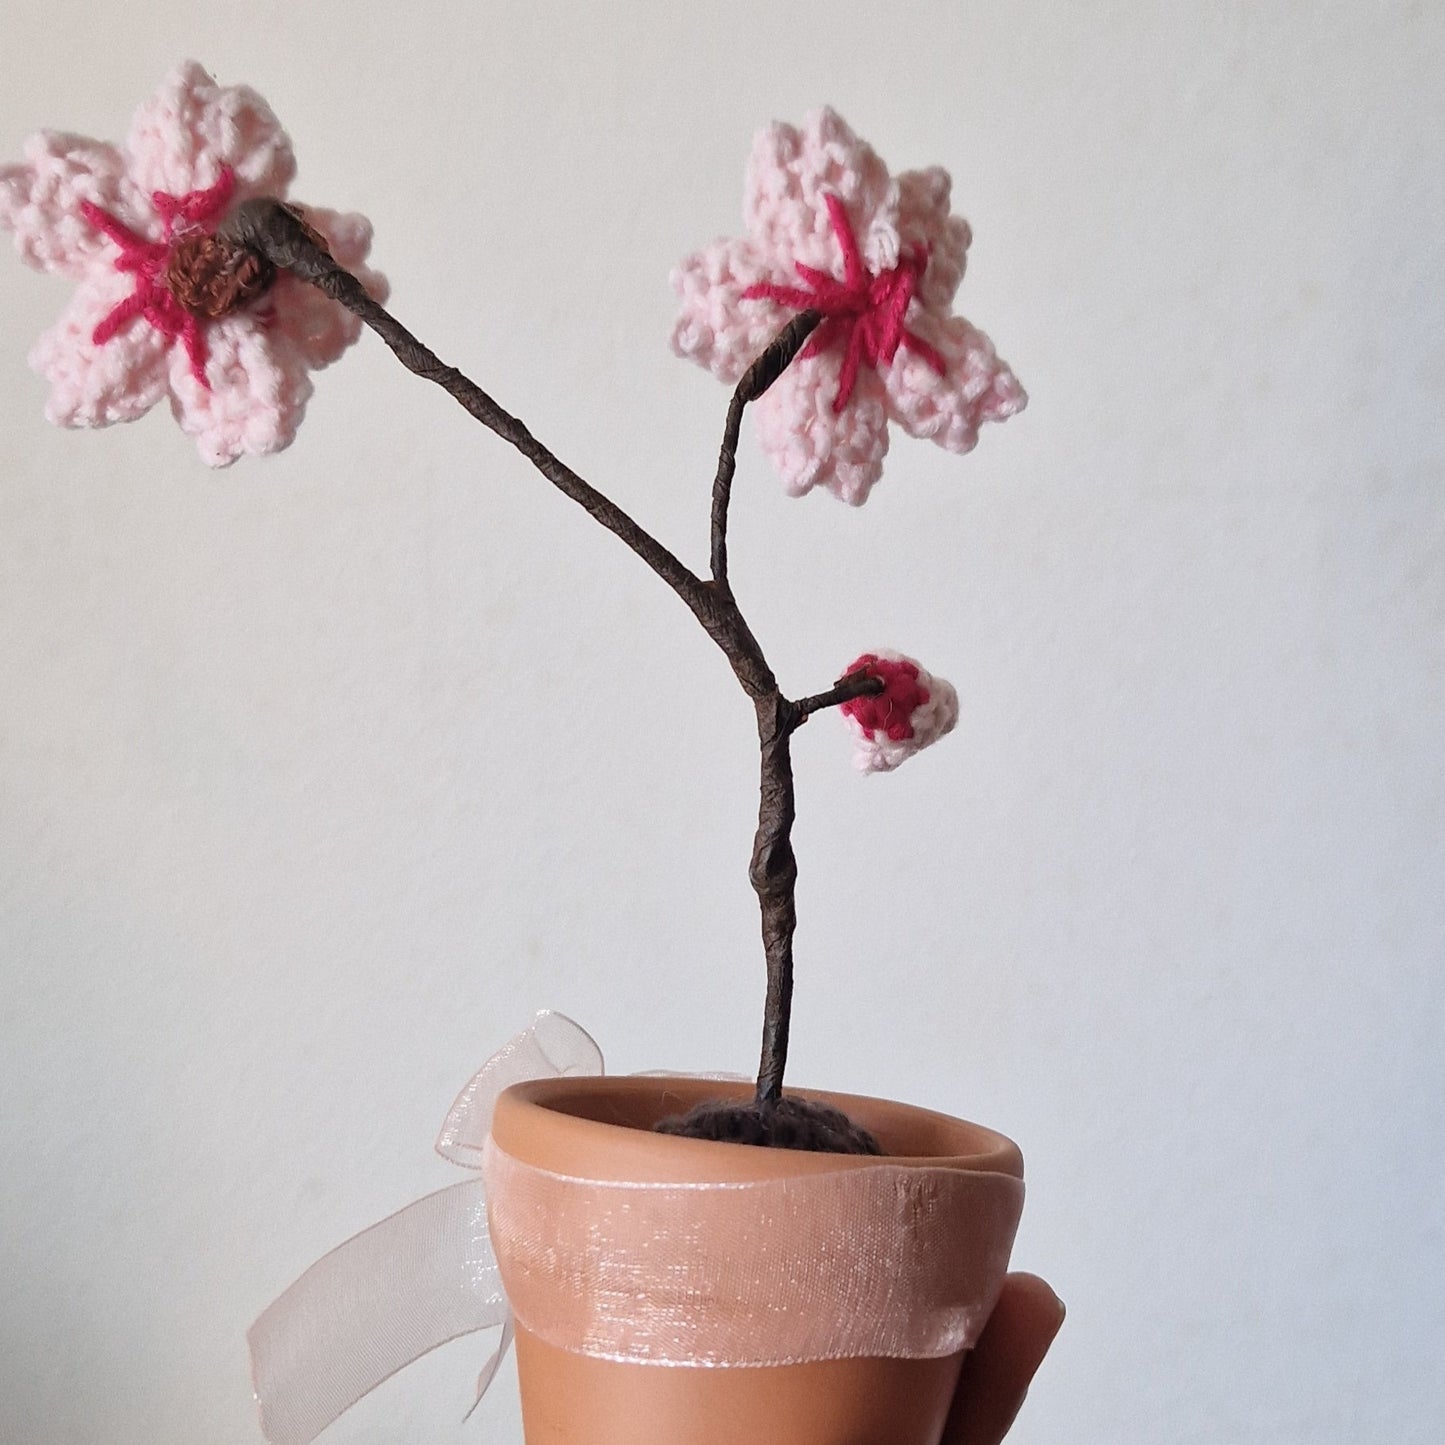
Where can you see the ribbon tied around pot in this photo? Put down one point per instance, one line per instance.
(883, 1258)
(422, 1276)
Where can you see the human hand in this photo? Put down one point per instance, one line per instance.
(998, 1370)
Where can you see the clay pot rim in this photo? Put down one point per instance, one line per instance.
(601, 1126)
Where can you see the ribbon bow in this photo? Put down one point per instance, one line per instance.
(413, 1281)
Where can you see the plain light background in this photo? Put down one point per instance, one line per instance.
(319, 775)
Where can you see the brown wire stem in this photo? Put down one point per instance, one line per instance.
(756, 380)
(279, 235)
(856, 684)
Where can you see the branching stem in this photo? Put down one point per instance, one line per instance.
(279, 234)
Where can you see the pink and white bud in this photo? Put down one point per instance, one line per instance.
(913, 710)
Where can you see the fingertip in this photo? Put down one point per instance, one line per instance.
(998, 1371)
(1027, 1294)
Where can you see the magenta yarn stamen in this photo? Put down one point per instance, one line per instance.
(866, 310)
(152, 299)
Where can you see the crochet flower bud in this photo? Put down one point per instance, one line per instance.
(913, 710)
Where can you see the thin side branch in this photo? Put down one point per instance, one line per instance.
(769, 366)
(856, 684)
(279, 234)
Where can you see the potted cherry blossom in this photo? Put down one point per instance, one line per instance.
(821, 1290)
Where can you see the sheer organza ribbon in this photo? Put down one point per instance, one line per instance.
(882, 1261)
(413, 1281)
(868, 1260)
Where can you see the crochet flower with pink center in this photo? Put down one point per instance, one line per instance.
(828, 229)
(914, 710)
(159, 309)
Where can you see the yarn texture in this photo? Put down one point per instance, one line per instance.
(881, 257)
(914, 710)
(788, 1123)
(161, 310)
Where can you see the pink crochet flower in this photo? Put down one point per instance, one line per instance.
(913, 710)
(122, 224)
(880, 256)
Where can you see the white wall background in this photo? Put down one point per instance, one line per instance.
(319, 775)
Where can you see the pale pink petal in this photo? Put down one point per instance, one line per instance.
(191, 128)
(791, 171)
(346, 233)
(259, 387)
(924, 221)
(319, 328)
(716, 327)
(814, 446)
(91, 385)
(40, 201)
(975, 387)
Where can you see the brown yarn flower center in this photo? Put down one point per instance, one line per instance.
(211, 276)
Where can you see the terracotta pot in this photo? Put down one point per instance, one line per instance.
(600, 1129)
